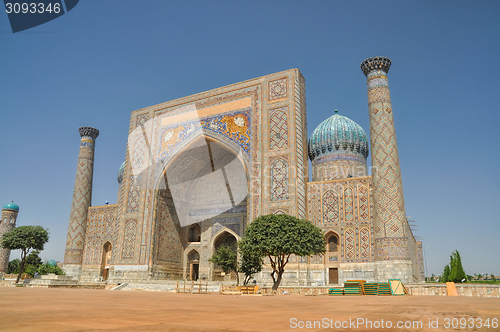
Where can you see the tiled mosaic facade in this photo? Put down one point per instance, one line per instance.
(100, 229)
(255, 135)
(345, 208)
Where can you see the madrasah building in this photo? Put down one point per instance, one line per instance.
(199, 169)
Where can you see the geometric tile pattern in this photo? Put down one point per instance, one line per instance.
(349, 247)
(317, 259)
(139, 152)
(364, 243)
(330, 207)
(388, 193)
(301, 143)
(363, 203)
(279, 180)
(349, 205)
(133, 193)
(277, 89)
(142, 119)
(129, 239)
(278, 128)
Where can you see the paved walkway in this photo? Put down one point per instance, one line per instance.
(42, 309)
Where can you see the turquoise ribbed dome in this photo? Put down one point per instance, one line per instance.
(338, 134)
(121, 173)
(11, 206)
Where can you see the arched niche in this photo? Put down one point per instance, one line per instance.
(199, 186)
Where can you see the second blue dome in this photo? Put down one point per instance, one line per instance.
(338, 134)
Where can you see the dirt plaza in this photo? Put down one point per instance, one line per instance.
(42, 309)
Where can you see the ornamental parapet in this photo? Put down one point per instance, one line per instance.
(88, 132)
(375, 63)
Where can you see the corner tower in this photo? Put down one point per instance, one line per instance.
(390, 225)
(7, 224)
(82, 199)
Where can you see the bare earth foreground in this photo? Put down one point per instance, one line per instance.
(42, 309)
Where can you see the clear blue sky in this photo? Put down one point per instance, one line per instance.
(107, 58)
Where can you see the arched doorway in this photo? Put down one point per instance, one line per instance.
(223, 238)
(106, 260)
(332, 242)
(193, 259)
(202, 190)
(194, 233)
(332, 248)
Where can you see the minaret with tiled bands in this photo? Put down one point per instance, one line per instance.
(82, 199)
(391, 244)
(7, 224)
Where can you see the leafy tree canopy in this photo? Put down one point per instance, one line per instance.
(14, 266)
(280, 236)
(250, 264)
(25, 238)
(34, 259)
(454, 272)
(226, 258)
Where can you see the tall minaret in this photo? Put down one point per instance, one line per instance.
(391, 244)
(82, 199)
(8, 223)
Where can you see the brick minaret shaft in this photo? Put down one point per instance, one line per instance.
(7, 224)
(390, 216)
(82, 197)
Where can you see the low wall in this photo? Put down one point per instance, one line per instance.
(480, 290)
(483, 290)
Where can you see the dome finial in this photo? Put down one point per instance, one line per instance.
(336, 111)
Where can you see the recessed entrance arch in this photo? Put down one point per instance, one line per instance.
(106, 260)
(193, 259)
(203, 189)
(225, 237)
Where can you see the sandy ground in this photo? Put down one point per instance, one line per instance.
(42, 309)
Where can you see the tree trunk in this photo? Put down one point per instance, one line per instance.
(21, 267)
(277, 282)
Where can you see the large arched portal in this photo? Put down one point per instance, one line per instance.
(203, 191)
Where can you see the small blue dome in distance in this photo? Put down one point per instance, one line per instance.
(121, 173)
(11, 206)
(338, 134)
(52, 262)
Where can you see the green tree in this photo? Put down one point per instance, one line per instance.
(25, 238)
(457, 273)
(34, 259)
(250, 264)
(226, 258)
(493, 278)
(49, 268)
(446, 274)
(14, 266)
(280, 236)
